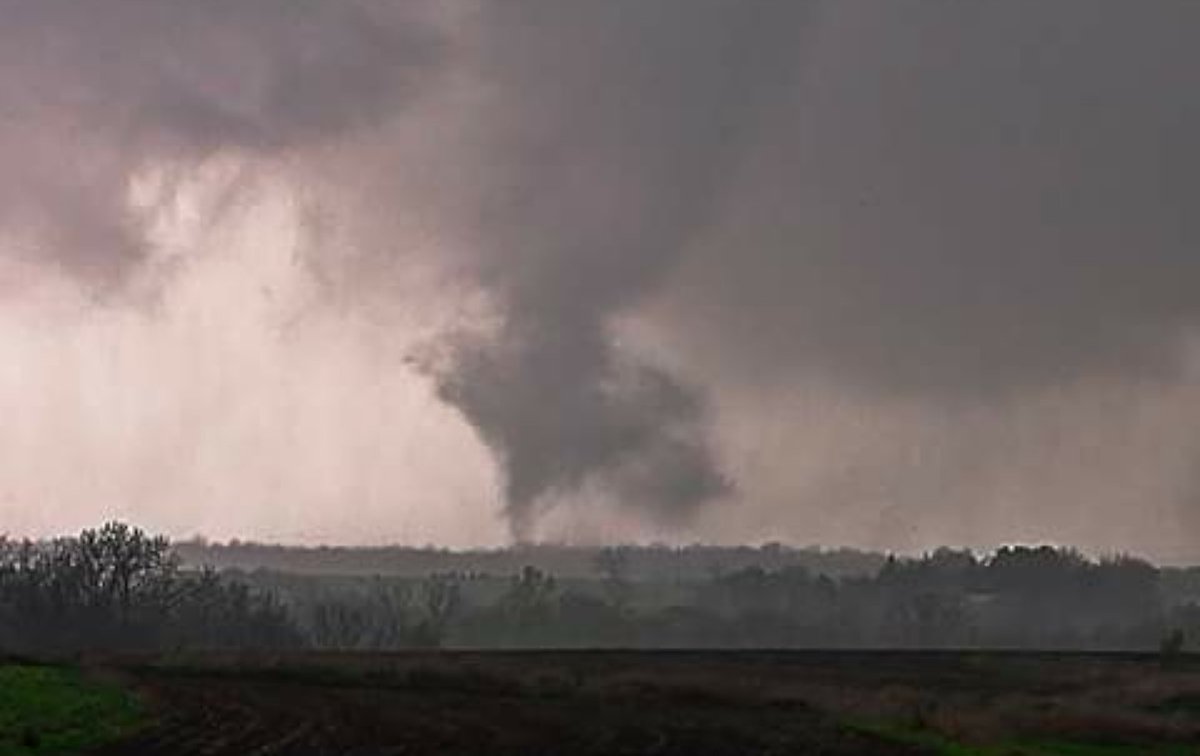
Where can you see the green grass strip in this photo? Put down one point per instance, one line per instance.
(56, 710)
(936, 743)
(942, 746)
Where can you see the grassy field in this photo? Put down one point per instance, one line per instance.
(592, 702)
(58, 710)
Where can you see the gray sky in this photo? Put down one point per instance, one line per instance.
(889, 274)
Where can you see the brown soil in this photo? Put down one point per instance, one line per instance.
(667, 704)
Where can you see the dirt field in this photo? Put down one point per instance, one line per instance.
(691, 703)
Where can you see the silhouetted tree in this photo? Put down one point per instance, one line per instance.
(441, 598)
(613, 566)
(118, 588)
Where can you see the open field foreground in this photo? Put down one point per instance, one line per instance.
(664, 703)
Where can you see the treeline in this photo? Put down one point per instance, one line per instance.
(647, 563)
(1042, 598)
(117, 588)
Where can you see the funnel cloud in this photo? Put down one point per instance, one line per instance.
(879, 274)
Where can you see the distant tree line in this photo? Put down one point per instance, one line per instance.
(116, 588)
(656, 562)
(1018, 597)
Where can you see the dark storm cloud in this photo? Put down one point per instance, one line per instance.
(905, 199)
(969, 197)
(616, 129)
(605, 153)
(90, 93)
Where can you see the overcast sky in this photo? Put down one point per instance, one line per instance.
(892, 273)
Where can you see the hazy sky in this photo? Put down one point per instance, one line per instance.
(890, 273)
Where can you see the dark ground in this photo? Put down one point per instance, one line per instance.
(666, 703)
